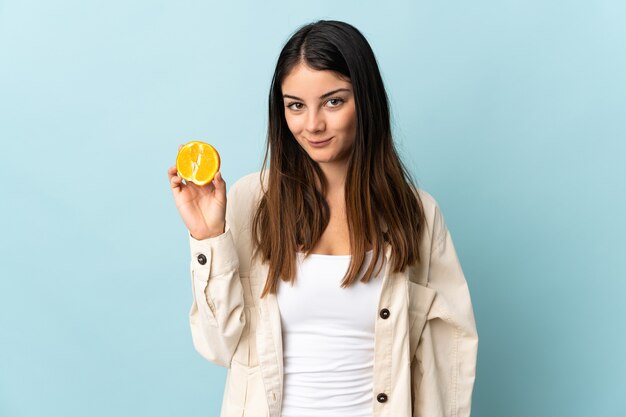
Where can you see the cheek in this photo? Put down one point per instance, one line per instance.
(293, 124)
(349, 118)
(350, 123)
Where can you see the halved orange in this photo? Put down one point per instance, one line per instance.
(197, 162)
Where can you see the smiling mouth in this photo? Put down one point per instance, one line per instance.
(319, 141)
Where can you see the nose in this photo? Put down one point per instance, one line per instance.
(315, 122)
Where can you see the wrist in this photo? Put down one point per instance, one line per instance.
(207, 234)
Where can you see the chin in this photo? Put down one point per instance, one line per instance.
(321, 159)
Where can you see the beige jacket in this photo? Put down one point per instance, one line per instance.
(425, 348)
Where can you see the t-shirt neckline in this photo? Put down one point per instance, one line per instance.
(323, 255)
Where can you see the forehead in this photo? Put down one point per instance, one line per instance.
(305, 81)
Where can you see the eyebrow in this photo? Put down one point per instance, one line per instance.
(330, 93)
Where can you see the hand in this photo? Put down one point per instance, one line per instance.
(202, 208)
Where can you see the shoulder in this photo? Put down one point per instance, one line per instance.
(249, 184)
(426, 197)
(243, 196)
(436, 227)
(429, 203)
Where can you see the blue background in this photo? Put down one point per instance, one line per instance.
(512, 114)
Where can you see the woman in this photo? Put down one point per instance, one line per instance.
(329, 284)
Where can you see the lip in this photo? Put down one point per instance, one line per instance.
(320, 143)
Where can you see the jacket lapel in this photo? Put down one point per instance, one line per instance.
(269, 341)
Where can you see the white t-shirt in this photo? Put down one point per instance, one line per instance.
(328, 338)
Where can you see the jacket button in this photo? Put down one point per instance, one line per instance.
(382, 397)
(384, 313)
(201, 259)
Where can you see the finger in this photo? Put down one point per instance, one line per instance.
(219, 183)
(172, 173)
(175, 181)
(218, 178)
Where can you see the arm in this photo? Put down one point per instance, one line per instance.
(445, 366)
(216, 316)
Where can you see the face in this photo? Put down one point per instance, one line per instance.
(320, 113)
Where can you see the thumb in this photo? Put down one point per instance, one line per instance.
(219, 182)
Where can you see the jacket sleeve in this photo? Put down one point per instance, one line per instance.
(446, 354)
(216, 316)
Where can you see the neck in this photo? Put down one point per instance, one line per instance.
(335, 177)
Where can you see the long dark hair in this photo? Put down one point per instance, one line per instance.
(293, 213)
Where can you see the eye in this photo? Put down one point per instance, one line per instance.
(337, 100)
(289, 106)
